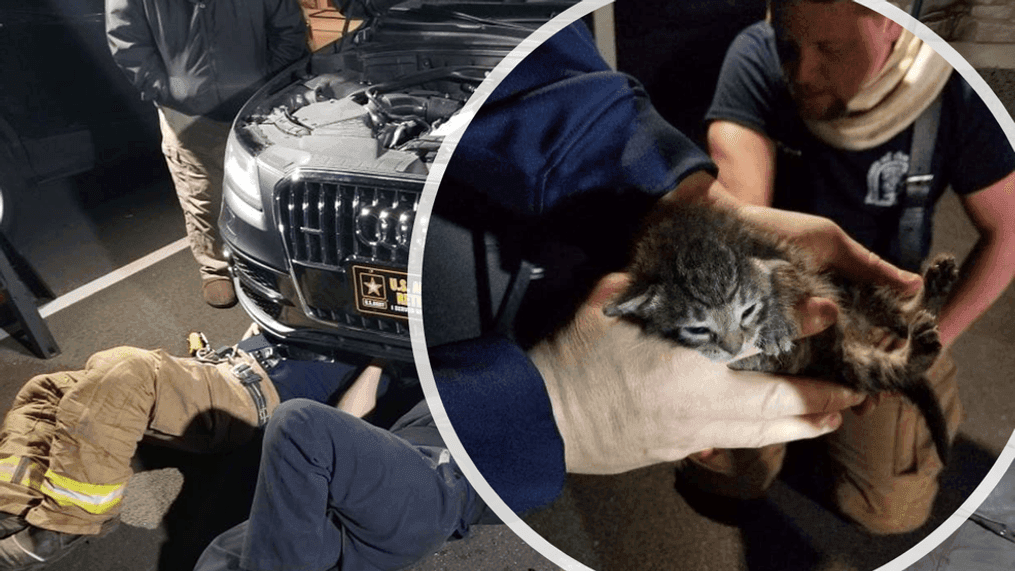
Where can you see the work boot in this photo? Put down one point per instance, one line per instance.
(219, 292)
(35, 548)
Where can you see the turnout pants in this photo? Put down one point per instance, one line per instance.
(67, 442)
(336, 493)
(195, 148)
(885, 465)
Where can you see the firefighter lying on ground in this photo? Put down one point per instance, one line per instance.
(67, 442)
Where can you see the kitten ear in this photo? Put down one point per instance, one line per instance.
(766, 266)
(638, 301)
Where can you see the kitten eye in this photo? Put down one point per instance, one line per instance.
(748, 312)
(698, 330)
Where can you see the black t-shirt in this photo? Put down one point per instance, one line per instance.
(860, 190)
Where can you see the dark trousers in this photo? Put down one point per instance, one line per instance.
(335, 492)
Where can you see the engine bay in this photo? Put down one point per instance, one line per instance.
(392, 126)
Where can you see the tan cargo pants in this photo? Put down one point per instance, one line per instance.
(887, 466)
(195, 149)
(67, 442)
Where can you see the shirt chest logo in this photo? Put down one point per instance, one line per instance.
(885, 177)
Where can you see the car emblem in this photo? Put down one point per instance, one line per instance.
(389, 228)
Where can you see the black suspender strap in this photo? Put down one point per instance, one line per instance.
(252, 381)
(505, 319)
(914, 226)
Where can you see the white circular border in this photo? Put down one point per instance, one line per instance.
(425, 209)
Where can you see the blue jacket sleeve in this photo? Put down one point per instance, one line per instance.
(561, 124)
(498, 406)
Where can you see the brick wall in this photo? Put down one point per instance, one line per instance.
(979, 21)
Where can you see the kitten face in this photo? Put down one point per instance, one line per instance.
(724, 332)
(718, 308)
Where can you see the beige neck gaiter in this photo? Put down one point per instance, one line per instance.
(908, 83)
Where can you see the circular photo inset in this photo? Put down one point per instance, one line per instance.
(722, 287)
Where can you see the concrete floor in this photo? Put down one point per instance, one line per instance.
(81, 229)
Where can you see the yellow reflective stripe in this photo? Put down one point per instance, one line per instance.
(93, 498)
(33, 472)
(7, 468)
(82, 487)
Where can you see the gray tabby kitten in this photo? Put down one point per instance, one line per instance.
(709, 281)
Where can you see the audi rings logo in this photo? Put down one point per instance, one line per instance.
(384, 227)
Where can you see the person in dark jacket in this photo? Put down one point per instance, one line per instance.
(199, 61)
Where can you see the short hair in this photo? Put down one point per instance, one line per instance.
(779, 5)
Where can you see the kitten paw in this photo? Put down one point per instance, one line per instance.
(776, 345)
(939, 277)
(776, 338)
(764, 363)
(924, 340)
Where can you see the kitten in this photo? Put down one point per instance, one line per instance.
(706, 280)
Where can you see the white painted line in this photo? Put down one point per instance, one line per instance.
(101, 283)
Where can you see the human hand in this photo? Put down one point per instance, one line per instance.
(361, 396)
(623, 399)
(155, 91)
(830, 247)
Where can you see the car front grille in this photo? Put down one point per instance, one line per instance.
(329, 225)
(255, 273)
(270, 308)
(325, 224)
(356, 321)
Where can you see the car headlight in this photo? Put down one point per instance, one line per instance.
(240, 173)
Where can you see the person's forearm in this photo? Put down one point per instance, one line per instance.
(287, 36)
(701, 186)
(287, 48)
(133, 49)
(987, 271)
(746, 161)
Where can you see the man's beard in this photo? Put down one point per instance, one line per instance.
(818, 108)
